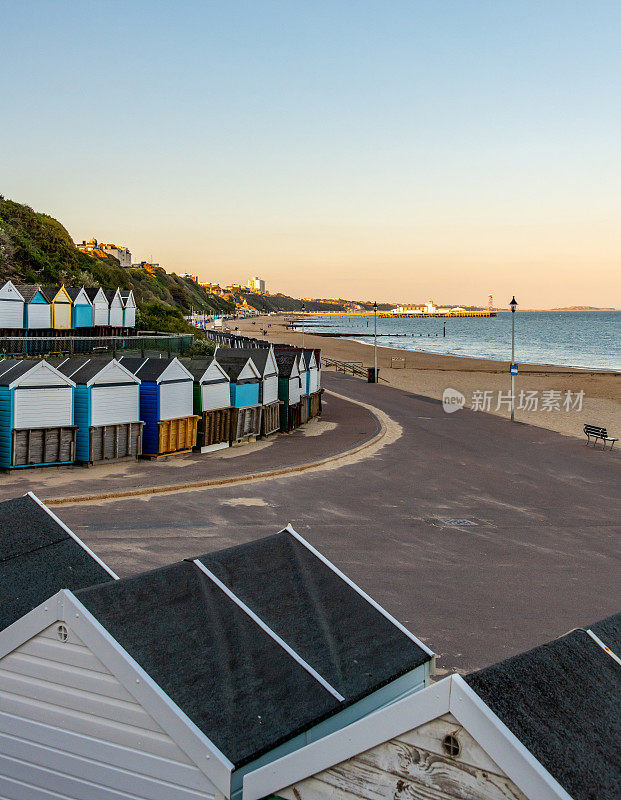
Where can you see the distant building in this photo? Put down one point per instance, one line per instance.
(122, 254)
(147, 265)
(257, 284)
(190, 276)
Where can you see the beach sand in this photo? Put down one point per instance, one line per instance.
(430, 374)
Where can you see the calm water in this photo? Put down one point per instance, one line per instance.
(566, 338)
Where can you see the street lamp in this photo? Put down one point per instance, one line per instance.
(375, 342)
(513, 306)
(303, 312)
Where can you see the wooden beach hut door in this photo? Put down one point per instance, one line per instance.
(101, 310)
(61, 310)
(11, 307)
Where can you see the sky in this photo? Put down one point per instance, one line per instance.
(392, 150)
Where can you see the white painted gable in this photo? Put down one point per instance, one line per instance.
(116, 301)
(175, 371)
(249, 370)
(114, 372)
(42, 374)
(79, 719)
(129, 301)
(214, 372)
(82, 299)
(9, 292)
(271, 365)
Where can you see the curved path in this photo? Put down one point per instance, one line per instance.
(484, 537)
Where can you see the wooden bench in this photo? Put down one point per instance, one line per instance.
(595, 432)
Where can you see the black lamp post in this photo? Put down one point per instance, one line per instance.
(513, 306)
(375, 342)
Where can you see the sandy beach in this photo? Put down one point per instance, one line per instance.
(484, 383)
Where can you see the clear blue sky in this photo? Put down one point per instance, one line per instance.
(403, 150)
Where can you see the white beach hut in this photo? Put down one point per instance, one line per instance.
(129, 309)
(115, 305)
(101, 307)
(11, 306)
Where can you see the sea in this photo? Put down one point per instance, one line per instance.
(590, 339)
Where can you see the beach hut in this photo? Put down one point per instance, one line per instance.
(129, 309)
(115, 306)
(313, 388)
(39, 555)
(166, 405)
(212, 403)
(245, 385)
(61, 306)
(37, 308)
(529, 728)
(289, 389)
(81, 308)
(175, 684)
(100, 306)
(106, 409)
(264, 360)
(11, 306)
(36, 415)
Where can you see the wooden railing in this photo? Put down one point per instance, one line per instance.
(347, 367)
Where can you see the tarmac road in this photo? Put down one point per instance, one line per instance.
(483, 537)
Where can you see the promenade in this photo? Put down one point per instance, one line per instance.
(485, 538)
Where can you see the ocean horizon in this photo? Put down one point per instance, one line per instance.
(586, 339)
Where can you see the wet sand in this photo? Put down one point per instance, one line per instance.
(429, 374)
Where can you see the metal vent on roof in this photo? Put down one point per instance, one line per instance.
(451, 745)
(62, 632)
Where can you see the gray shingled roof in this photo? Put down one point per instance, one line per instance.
(12, 368)
(285, 361)
(561, 700)
(37, 559)
(149, 371)
(81, 370)
(232, 679)
(73, 291)
(231, 364)
(29, 291)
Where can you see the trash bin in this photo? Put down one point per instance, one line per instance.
(372, 375)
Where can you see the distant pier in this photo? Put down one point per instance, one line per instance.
(427, 315)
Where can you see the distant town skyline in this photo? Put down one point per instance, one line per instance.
(400, 151)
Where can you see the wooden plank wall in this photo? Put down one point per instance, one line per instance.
(33, 446)
(177, 434)
(412, 767)
(112, 442)
(271, 418)
(314, 404)
(214, 427)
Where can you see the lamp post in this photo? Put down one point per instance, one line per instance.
(513, 306)
(303, 312)
(375, 342)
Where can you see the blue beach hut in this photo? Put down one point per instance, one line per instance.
(37, 308)
(106, 409)
(166, 404)
(81, 308)
(36, 415)
(245, 395)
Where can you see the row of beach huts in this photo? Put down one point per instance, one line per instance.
(263, 672)
(89, 410)
(34, 307)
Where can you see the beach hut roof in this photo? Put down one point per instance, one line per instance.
(39, 555)
(84, 370)
(52, 292)
(13, 371)
(127, 296)
(153, 369)
(260, 356)
(9, 289)
(549, 719)
(78, 293)
(29, 292)
(93, 291)
(251, 660)
(309, 358)
(199, 367)
(235, 367)
(111, 295)
(561, 700)
(287, 363)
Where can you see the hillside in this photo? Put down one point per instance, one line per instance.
(36, 248)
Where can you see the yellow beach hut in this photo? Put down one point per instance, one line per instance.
(61, 306)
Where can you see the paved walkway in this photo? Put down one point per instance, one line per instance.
(485, 538)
